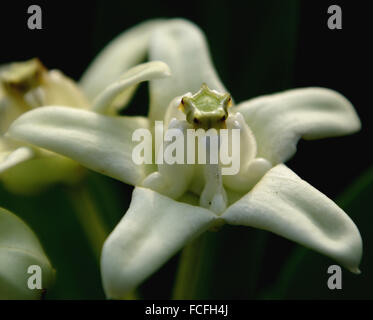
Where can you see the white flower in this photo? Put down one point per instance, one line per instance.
(265, 194)
(28, 85)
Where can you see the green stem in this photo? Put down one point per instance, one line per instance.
(93, 225)
(132, 295)
(211, 268)
(89, 218)
(189, 272)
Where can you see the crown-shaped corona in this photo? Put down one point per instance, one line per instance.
(207, 108)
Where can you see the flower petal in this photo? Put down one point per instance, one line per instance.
(117, 94)
(288, 206)
(251, 169)
(20, 249)
(171, 180)
(182, 46)
(101, 143)
(45, 169)
(280, 120)
(122, 53)
(8, 111)
(61, 90)
(154, 228)
(9, 159)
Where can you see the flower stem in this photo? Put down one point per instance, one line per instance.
(89, 218)
(190, 269)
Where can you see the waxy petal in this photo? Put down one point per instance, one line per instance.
(61, 90)
(154, 228)
(45, 169)
(101, 143)
(183, 47)
(125, 51)
(278, 121)
(8, 112)
(288, 206)
(117, 94)
(9, 159)
(20, 249)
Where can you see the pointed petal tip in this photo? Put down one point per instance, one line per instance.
(117, 95)
(288, 206)
(153, 229)
(355, 270)
(320, 113)
(15, 157)
(164, 69)
(165, 74)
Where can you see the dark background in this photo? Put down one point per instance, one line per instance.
(258, 47)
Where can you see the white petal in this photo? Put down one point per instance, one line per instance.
(182, 46)
(61, 90)
(117, 94)
(171, 180)
(173, 110)
(280, 120)
(248, 177)
(125, 51)
(153, 229)
(101, 143)
(251, 169)
(37, 174)
(8, 111)
(288, 206)
(10, 159)
(20, 249)
(213, 196)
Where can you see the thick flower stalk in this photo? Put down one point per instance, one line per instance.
(174, 203)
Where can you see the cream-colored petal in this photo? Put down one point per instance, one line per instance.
(171, 180)
(288, 206)
(11, 158)
(37, 174)
(59, 89)
(101, 143)
(154, 228)
(125, 51)
(183, 47)
(278, 121)
(249, 177)
(20, 249)
(117, 94)
(251, 168)
(173, 111)
(8, 111)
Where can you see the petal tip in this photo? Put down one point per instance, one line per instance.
(355, 270)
